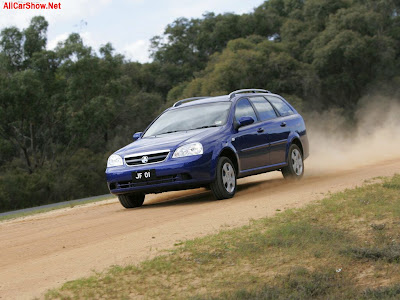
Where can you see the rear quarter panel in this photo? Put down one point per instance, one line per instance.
(299, 132)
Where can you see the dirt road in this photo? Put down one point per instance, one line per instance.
(44, 251)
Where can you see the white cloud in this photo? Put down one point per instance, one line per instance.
(90, 40)
(87, 37)
(70, 9)
(189, 9)
(59, 38)
(127, 24)
(137, 51)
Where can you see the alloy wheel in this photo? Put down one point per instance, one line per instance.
(228, 177)
(297, 162)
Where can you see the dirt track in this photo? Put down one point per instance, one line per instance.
(44, 251)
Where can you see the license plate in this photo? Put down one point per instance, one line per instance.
(143, 175)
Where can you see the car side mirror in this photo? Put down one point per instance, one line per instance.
(137, 136)
(243, 121)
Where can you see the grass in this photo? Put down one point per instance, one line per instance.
(345, 246)
(47, 209)
(389, 253)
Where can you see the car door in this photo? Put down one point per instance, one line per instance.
(279, 130)
(249, 141)
(267, 116)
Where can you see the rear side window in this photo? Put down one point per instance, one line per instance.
(264, 108)
(282, 107)
(244, 109)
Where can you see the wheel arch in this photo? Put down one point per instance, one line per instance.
(298, 143)
(294, 139)
(231, 154)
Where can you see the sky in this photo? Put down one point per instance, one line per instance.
(127, 24)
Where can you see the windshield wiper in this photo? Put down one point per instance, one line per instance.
(207, 126)
(172, 131)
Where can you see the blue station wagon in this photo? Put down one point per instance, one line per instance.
(210, 142)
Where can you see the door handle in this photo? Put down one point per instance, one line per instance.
(283, 124)
(260, 130)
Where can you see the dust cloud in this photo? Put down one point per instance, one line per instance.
(374, 136)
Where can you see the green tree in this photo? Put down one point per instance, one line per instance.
(63, 111)
(12, 50)
(35, 36)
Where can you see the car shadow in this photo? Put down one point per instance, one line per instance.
(203, 196)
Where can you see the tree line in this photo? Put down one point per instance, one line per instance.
(63, 111)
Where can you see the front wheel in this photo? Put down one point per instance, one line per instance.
(224, 185)
(295, 167)
(131, 200)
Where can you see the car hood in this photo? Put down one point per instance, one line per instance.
(169, 141)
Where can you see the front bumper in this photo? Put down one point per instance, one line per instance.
(171, 174)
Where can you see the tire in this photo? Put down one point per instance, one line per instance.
(295, 168)
(131, 200)
(224, 185)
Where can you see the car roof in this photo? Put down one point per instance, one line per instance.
(204, 100)
(224, 98)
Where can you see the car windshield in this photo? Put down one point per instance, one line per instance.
(190, 118)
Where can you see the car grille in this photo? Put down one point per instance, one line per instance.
(158, 180)
(144, 159)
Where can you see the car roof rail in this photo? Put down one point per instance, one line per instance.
(188, 99)
(233, 94)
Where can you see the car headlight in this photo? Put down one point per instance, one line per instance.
(188, 150)
(114, 161)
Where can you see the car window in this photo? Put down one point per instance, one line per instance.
(244, 109)
(190, 118)
(264, 108)
(281, 106)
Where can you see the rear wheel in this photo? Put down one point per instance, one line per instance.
(131, 200)
(295, 167)
(224, 186)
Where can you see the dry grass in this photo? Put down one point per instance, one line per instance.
(343, 247)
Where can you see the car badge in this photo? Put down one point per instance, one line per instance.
(145, 159)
